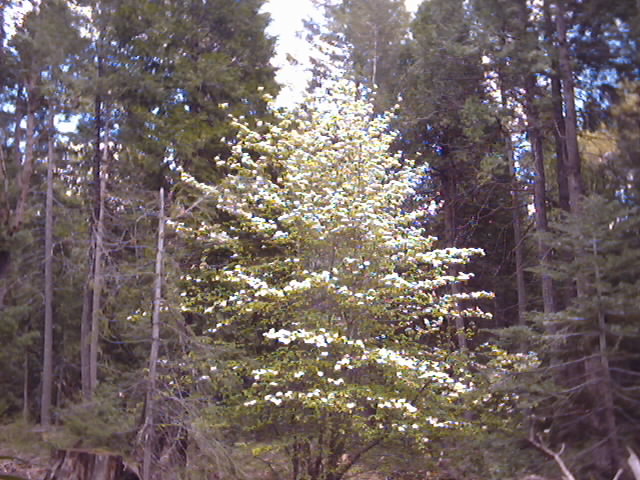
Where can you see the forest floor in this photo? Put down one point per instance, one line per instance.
(24, 452)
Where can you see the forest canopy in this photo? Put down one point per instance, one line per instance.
(428, 268)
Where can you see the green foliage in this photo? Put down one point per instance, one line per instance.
(591, 350)
(370, 39)
(334, 299)
(182, 61)
(109, 422)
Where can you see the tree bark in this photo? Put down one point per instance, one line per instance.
(576, 184)
(606, 382)
(87, 465)
(559, 131)
(85, 327)
(540, 192)
(96, 309)
(47, 357)
(149, 423)
(540, 185)
(516, 210)
(88, 307)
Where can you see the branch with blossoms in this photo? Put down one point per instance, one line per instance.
(329, 290)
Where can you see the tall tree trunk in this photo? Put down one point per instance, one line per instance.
(606, 382)
(574, 174)
(47, 357)
(516, 213)
(559, 130)
(576, 184)
(96, 308)
(540, 192)
(89, 294)
(149, 423)
(451, 229)
(516, 206)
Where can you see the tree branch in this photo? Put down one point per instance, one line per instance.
(536, 441)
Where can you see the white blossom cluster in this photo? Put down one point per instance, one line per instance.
(350, 270)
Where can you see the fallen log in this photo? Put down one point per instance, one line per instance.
(77, 464)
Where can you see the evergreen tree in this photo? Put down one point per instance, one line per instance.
(186, 61)
(370, 38)
(594, 334)
(447, 116)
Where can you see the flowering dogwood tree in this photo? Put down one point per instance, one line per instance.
(330, 290)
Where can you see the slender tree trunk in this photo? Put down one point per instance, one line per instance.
(516, 213)
(89, 313)
(85, 327)
(540, 192)
(96, 308)
(47, 357)
(450, 193)
(540, 185)
(606, 382)
(149, 423)
(25, 389)
(559, 134)
(559, 131)
(574, 174)
(576, 184)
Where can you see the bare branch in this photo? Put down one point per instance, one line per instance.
(537, 442)
(634, 463)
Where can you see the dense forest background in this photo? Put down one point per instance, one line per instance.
(216, 287)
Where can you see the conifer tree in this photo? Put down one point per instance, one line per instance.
(370, 39)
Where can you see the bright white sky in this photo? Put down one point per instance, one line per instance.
(287, 26)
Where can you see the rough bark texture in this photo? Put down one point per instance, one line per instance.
(149, 423)
(47, 357)
(88, 465)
